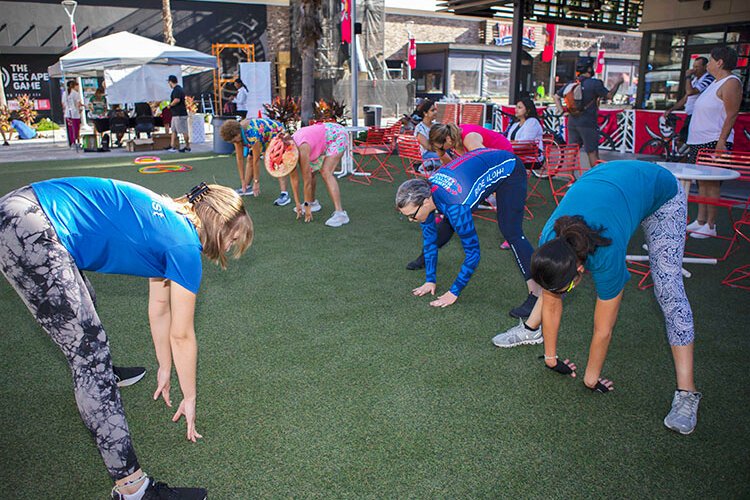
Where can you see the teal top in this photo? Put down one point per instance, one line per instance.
(616, 196)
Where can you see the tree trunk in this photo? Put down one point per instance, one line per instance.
(166, 14)
(308, 84)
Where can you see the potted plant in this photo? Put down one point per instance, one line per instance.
(5, 126)
(26, 111)
(285, 111)
(330, 111)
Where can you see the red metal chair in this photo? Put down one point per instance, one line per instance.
(372, 152)
(735, 160)
(447, 112)
(528, 152)
(563, 164)
(472, 113)
(740, 277)
(410, 154)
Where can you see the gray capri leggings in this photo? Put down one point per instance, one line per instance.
(665, 236)
(46, 277)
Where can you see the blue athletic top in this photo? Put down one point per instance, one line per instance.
(457, 188)
(617, 196)
(116, 227)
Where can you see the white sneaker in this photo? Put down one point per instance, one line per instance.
(314, 207)
(695, 225)
(683, 417)
(282, 200)
(171, 150)
(338, 219)
(703, 232)
(518, 335)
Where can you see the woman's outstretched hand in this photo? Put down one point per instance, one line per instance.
(163, 385)
(444, 300)
(424, 289)
(187, 408)
(566, 367)
(602, 385)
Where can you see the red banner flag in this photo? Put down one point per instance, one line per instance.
(412, 53)
(600, 62)
(346, 21)
(549, 44)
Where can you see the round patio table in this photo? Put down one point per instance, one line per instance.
(686, 173)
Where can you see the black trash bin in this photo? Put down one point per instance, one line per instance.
(221, 146)
(373, 115)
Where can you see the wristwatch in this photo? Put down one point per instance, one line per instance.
(306, 204)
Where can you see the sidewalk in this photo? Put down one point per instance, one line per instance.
(53, 145)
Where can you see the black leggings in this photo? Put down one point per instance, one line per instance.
(511, 199)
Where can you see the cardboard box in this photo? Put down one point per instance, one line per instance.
(161, 141)
(140, 145)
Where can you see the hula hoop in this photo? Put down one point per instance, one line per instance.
(165, 169)
(146, 159)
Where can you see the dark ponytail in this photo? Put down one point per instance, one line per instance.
(555, 263)
(579, 235)
(239, 82)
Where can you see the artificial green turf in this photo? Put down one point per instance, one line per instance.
(320, 376)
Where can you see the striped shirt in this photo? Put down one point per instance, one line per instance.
(699, 84)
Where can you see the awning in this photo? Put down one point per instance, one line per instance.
(126, 50)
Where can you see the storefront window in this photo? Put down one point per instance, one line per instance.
(429, 82)
(465, 75)
(629, 73)
(670, 52)
(496, 81)
(706, 38)
(663, 70)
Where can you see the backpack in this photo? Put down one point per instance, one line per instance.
(573, 98)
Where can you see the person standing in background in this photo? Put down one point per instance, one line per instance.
(72, 106)
(712, 127)
(697, 80)
(179, 116)
(241, 99)
(583, 125)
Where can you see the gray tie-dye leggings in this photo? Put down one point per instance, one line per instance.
(45, 275)
(665, 236)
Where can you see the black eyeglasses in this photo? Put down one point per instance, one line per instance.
(413, 217)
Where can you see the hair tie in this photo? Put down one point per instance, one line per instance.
(197, 192)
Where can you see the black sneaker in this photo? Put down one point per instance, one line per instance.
(417, 263)
(184, 150)
(524, 310)
(126, 376)
(160, 491)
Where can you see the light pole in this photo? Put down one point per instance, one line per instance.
(70, 10)
(353, 64)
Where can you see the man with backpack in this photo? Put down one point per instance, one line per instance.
(582, 107)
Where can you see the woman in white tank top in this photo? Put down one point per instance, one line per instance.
(711, 127)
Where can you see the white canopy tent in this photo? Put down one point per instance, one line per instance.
(125, 50)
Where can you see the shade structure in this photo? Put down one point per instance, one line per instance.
(126, 50)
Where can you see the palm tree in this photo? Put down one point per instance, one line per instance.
(310, 33)
(166, 15)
